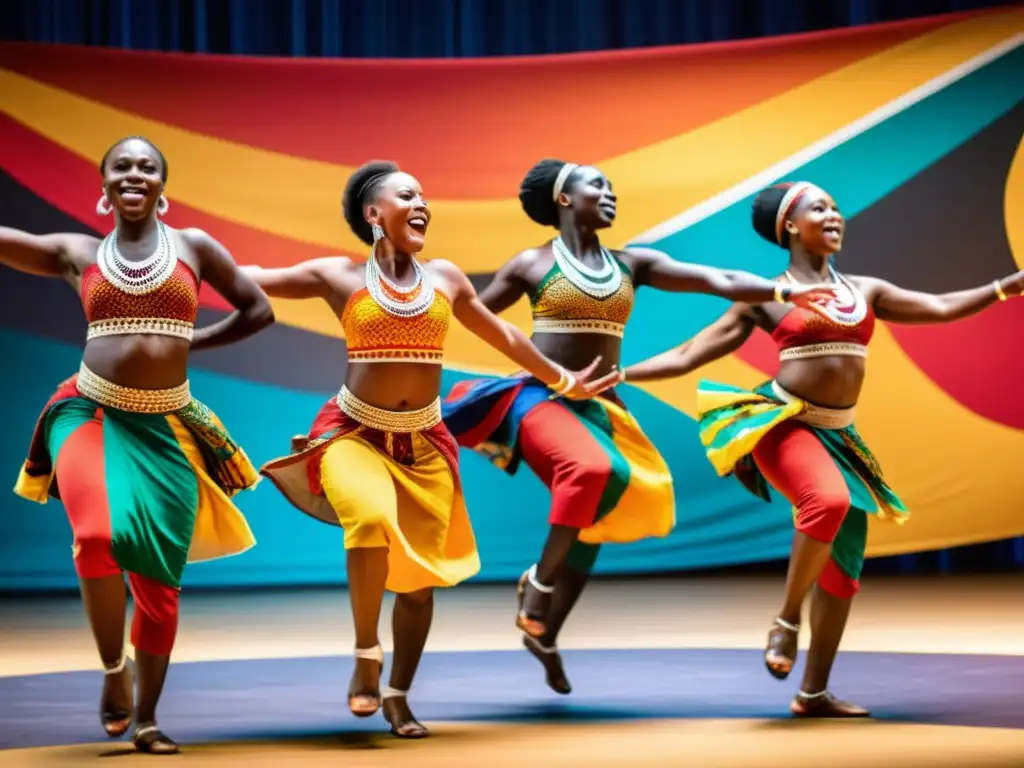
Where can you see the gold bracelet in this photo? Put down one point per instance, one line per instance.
(1000, 293)
(778, 293)
(563, 381)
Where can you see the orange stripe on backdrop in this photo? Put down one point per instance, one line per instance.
(444, 119)
(297, 198)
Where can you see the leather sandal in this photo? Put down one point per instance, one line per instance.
(402, 727)
(824, 705)
(116, 722)
(781, 650)
(533, 598)
(376, 653)
(551, 660)
(150, 739)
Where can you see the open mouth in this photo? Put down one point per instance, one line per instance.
(608, 209)
(133, 194)
(833, 230)
(418, 224)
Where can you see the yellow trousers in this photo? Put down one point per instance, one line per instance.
(417, 512)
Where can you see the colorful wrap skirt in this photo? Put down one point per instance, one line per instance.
(632, 497)
(168, 479)
(733, 420)
(394, 489)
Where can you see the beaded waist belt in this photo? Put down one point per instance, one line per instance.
(817, 415)
(427, 356)
(388, 421)
(605, 327)
(112, 395)
(822, 350)
(124, 326)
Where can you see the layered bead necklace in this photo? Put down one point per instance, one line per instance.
(598, 283)
(400, 301)
(849, 307)
(138, 278)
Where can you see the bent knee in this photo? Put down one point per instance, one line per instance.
(820, 516)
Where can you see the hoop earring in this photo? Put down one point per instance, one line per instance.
(378, 232)
(162, 206)
(103, 207)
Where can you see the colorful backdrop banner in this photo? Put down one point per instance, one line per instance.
(915, 128)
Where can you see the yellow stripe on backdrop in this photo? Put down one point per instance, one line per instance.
(1013, 207)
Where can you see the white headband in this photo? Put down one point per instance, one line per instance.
(786, 205)
(560, 180)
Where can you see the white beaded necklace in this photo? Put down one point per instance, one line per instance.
(849, 307)
(138, 278)
(376, 279)
(599, 283)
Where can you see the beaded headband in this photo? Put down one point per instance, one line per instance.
(563, 176)
(788, 203)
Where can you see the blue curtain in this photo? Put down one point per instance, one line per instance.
(434, 28)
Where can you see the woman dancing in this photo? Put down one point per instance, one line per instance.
(379, 461)
(144, 471)
(608, 483)
(796, 432)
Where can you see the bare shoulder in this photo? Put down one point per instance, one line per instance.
(447, 270)
(79, 250)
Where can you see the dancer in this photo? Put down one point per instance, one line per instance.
(144, 471)
(379, 461)
(608, 483)
(796, 432)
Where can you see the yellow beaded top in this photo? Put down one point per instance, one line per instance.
(559, 306)
(374, 335)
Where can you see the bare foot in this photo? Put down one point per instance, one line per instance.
(825, 705)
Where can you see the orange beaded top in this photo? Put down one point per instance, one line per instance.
(374, 335)
(170, 310)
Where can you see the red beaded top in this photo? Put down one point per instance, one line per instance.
(177, 299)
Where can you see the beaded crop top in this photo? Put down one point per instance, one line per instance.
(842, 326)
(574, 299)
(158, 296)
(385, 323)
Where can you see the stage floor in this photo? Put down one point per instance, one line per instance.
(665, 672)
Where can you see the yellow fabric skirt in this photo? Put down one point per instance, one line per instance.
(415, 509)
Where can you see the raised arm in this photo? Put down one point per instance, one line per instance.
(252, 312)
(507, 339)
(661, 271)
(43, 255)
(506, 288)
(717, 340)
(899, 305)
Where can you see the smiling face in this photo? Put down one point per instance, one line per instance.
(591, 198)
(133, 179)
(402, 212)
(817, 223)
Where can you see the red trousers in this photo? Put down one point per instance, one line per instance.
(795, 462)
(81, 477)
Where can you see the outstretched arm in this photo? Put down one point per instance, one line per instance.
(899, 305)
(506, 338)
(505, 289)
(252, 312)
(43, 255)
(306, 280)
(717, 340)
(661, 271)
